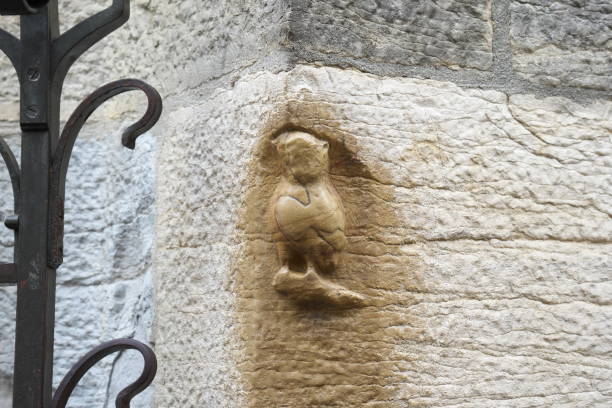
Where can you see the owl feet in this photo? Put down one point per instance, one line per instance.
(310, 287)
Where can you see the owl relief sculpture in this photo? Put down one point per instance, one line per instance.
(311, 223)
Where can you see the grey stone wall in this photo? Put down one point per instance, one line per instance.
(406, 33)
(564, 43)
(105, 286)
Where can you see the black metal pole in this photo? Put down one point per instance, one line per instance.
(36, 292)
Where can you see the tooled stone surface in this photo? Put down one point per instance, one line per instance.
(310, 219)
(479, 229)
(567, 42)
(451, 33)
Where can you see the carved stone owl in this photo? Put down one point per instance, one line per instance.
(309, 215)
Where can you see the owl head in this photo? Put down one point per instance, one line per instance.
(303, 155)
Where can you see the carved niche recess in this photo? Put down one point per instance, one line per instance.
(311, 222)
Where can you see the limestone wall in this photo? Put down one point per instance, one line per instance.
(471, 145)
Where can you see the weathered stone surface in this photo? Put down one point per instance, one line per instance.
(565, 42)
(417, 32)
(206, 148)
(9, 91)
(197, 43)
(479, 227)
(176, 46)
(7, 340)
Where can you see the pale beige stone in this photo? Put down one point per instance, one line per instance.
(478, 226)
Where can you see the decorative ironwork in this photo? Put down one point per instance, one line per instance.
(13, 168)
(22, 6)
(63, 152)
(42, 58)
(80, 369)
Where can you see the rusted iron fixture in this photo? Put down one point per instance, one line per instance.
(42, 57)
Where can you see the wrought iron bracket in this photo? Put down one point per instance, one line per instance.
(42, 58)
(63, 152)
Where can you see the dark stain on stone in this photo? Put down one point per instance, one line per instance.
(312, 355)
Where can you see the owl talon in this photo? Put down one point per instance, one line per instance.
(310, 287)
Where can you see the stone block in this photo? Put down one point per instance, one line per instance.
(416, 32)
(565, 43)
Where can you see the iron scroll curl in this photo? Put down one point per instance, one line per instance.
(17, 7)
(13, 168)
(63, 152)
(71, 380)
(70, 45)
(8, 272)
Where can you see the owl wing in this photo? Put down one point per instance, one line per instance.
(312, 223)
(335, 239)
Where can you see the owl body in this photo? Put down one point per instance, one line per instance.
(310, 219)
(312, 222)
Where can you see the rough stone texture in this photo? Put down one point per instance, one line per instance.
(9, 92)
(196, 43)
(564, 42)
(480, 230)
(417, 32)
(206, 147)
(118, 55)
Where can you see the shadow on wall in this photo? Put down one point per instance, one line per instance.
(315, 355)
(6, 391)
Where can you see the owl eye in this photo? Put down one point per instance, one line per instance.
(325, 145)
